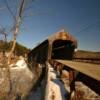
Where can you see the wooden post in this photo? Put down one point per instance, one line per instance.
(72, 83)
(49, 51)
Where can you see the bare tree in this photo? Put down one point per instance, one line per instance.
(16, 26)
(4, 34)
(17, 20)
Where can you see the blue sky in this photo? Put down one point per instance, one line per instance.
(81, 18)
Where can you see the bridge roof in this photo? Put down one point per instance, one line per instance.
(63, 35)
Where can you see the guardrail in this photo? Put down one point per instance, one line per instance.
(89, 74)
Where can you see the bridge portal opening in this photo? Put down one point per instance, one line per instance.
(62, 49)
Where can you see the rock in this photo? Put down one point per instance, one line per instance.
(65, 74)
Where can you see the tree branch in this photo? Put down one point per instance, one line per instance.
(9, 9)
(17, 25)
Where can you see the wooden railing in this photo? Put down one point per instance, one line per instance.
(87, 73)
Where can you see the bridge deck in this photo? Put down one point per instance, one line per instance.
(92, 70)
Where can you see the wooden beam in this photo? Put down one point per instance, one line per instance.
(91, 70)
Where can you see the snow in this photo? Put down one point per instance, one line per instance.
(21, 79)
(21, 64)
(55, 89)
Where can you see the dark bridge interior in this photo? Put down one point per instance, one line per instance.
(62, 49)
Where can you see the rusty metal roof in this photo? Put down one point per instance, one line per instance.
(63, 35)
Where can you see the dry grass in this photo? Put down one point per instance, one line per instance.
(87, 54)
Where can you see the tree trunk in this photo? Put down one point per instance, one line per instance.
(21, 9)
(14, 43)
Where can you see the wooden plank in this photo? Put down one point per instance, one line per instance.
(92, 70)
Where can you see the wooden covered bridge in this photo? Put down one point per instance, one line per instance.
(60, 48)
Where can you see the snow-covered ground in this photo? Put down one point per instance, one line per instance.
(55, 89)
(19, 78)
(22, 81)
